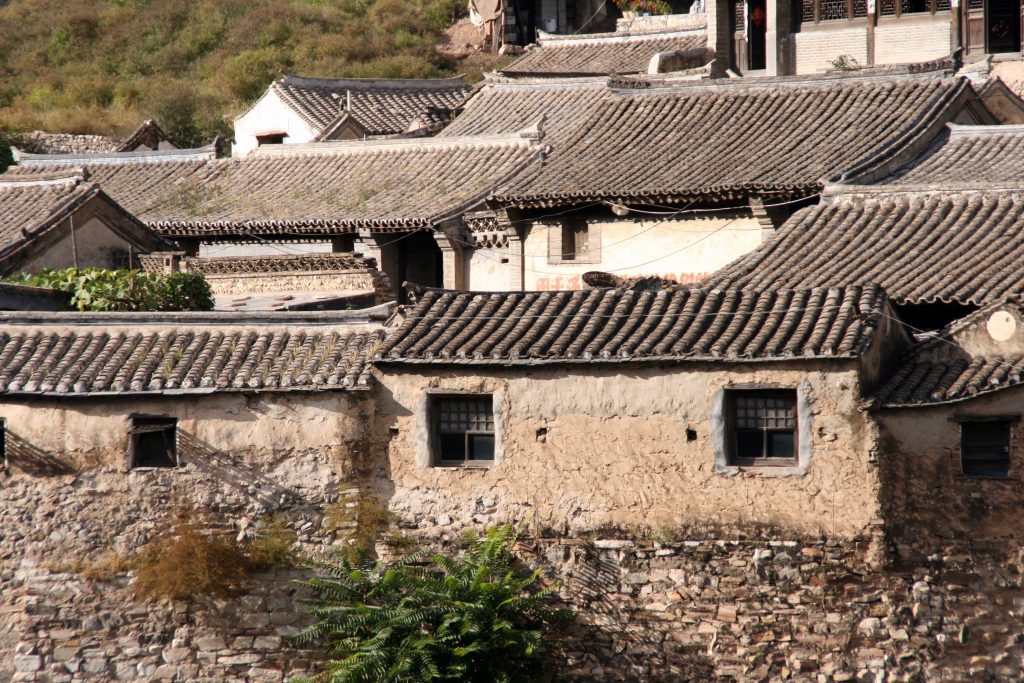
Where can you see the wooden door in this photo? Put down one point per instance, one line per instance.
(1002, 26)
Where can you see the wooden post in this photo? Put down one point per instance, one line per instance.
(957, 28)
(74, 242)
(872, 20)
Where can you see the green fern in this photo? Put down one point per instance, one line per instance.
(474, 616)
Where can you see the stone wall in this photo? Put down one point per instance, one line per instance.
(70, 507)
(928, 499)
(804, 610)
(71, 628)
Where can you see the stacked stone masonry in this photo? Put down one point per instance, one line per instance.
(697, 610)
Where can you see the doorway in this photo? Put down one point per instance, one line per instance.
(757, 30)
(1002, 26)
(419, 261)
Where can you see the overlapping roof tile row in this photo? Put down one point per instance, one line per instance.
(182, 358)
(626, 325)
(602, 54)
(380, 106)
(316, 189)
(691, 140)
(921, 247)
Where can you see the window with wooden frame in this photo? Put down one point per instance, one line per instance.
(817, 11)
(985, 448)
(762, 427)
(153, 442)
(575, 239)
(463, 429)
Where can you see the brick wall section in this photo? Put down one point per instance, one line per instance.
(912, 40)
(815, 47)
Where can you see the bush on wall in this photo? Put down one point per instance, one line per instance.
(98, 289)
(471, 616)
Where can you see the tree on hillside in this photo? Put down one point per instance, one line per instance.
(102, 67)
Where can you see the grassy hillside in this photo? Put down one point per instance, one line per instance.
(102, 66)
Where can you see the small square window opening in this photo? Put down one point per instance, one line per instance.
(763, 427)
(464, 430)
(985, 449)
(154, 442)
(271, 139)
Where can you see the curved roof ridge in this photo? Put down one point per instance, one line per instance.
(379, 83)
(148, 156)
(553, 39)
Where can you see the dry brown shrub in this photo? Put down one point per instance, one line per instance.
(274, 546)
(190, 560)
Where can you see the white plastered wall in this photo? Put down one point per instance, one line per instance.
(270, 113)
(685, 250)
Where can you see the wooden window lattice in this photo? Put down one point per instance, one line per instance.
(808, 11)
(833, 9)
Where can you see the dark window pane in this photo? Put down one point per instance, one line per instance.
(764, 424)
(807, 14)
(780, 445)
(481, 447)
(914, 6)
(985, 449)
(453, 446)
(465, 426)
(749, 444)
(154, 442)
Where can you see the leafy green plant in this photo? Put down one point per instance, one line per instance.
(470, 616)
(98, 289)
(642, 6)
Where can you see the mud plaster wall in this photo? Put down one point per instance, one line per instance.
(931, 501)
(68, 495)
(589, 448)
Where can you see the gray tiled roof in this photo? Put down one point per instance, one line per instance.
(939, 370)
(322, 188)
(28, 207)
(380, 106)
(949, 246)
(967, 156)
(31, 207)
(947, 227)
(932, 381)
(602, 54)
(723, 141)
(613, 325)
(501, 106)
(79, 354)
